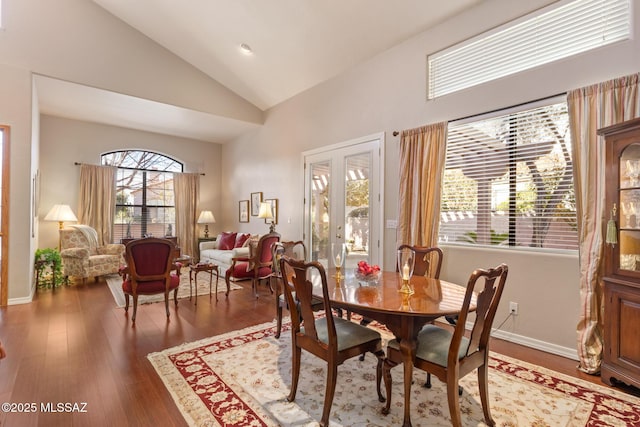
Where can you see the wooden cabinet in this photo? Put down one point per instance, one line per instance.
(621, 357)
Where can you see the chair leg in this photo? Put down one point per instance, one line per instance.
(126, 303)
(427, 383)
(295, 372)
(166, 302)
(454, 402)
(278, 318)
(135, 308)
(332, 378)
(381, 358)
(386, 374)
(483, 384)
(175, 297)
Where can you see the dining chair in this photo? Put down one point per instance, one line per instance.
(296, 250)
(450, 355)
(428, 262)
(149, 271)
(331, 338)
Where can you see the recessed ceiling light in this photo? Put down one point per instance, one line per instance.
(246, 49)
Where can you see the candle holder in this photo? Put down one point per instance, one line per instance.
(338, 251)
(406, 261)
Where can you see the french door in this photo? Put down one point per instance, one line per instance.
(343, 201)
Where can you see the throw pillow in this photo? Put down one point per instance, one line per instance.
(253, 239)
(227, 241)
(240, 239)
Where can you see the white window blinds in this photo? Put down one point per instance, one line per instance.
(547, 35)
(508, 181)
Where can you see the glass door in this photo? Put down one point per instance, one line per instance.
(343, 202)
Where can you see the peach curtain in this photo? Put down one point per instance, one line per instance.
(591, 108)
(186, 187)
(97, 200)
(422, 158)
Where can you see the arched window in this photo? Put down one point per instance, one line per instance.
(144, 193)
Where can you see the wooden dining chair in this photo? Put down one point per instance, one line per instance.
(452, 355)
(331, 338)
(428, 260)
(296, 250)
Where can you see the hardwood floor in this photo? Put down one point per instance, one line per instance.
(74, 346)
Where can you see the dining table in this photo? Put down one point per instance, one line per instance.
(403, 313)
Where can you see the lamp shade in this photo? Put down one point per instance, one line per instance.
(265, 210)
(206, 217)
(60, 213)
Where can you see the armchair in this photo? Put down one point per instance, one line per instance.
(257, 266)
(148, 271)
(83, 257)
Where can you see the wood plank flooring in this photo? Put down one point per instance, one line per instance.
(73, 345)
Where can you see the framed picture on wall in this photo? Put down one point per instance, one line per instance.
(256, 199)
(274, 210)
(243, 211)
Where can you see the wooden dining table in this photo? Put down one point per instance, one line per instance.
(403, 314)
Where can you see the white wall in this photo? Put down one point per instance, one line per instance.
(78, 41)
(388, 93)
(64, 142)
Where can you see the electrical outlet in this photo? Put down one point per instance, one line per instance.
(513, 308)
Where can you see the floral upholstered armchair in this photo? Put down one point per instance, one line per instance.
(83, 257)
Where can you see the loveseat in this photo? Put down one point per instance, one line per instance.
(226, 246)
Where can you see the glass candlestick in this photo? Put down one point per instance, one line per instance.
(406, 261)
(338, 254)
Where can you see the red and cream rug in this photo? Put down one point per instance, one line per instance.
(242, 379)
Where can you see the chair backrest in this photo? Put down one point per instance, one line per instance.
(428, 260)
(299, 275)
(149, 258)
(79, 236)
(263, 254)
(488, 285)
(294, 249)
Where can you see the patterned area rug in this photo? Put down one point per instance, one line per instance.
(114, 282)
(242, 379)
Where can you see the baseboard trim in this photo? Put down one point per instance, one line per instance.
(558, 350)
(567, 352)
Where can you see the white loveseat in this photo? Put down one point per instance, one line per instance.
(209, 252)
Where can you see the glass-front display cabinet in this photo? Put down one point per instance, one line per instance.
(621, 320)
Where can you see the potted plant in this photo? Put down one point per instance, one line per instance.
(48, 266)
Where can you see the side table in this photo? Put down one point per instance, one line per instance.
(194, 269)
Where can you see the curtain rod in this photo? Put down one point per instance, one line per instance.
(396, 133)
(132, 169)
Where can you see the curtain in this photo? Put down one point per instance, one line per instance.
(591, 108)
(186, 187)
(422, 161)
(97, 200)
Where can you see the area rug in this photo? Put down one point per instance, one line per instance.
(242, 379)
(114, 282)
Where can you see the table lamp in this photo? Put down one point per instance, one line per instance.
(267, 213)
(206, 218)
(60, 213)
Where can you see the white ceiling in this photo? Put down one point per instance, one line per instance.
(296, 44)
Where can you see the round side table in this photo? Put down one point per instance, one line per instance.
(194, 269)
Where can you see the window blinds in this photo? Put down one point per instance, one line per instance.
(539, 38)
(508, 181)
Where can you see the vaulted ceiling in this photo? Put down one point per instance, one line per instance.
(296, 44)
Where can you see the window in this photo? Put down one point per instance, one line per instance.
(144, 194)
(508, 181)
(553, 33)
